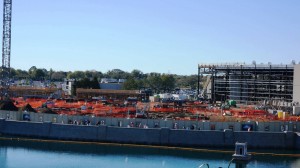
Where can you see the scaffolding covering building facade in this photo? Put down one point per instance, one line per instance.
(248, 83)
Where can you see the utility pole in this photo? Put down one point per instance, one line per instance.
(6, 48)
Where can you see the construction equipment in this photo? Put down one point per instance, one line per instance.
(6, 48)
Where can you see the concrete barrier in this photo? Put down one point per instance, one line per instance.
(133, 135)
(274, 126)
(157, 136)
(164, 136)
(297, 140)
(28, 129)
(262, 139)
(102, 133)
(161, 132)
(289, 139)
(196, 138)
(73, 132)
(228, 137)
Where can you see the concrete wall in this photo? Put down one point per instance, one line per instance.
(2, 122)
(73, 132)
(25, 129)
(262, 140)
(133, 135)
(297, 140)
(275, 126)
(296, 85)
(158, 136)
(196, 138)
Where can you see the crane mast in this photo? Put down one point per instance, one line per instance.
(6, 47)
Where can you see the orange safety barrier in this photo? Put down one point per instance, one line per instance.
(36, 104)
(97, 108)
(98, 105)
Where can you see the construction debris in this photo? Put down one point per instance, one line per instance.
(8, 105)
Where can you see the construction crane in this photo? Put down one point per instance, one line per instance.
(6, 48)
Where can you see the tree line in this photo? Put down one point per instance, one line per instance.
(135, 79)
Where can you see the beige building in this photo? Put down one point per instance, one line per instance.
(296, 85)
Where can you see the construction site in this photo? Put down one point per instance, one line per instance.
(249, 83)
(231, 92)
(129, 104)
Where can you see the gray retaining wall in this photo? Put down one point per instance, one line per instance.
(152, 136)
(278, 134)
(276, 126)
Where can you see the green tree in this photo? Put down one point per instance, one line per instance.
(94, 84)
(58, 76)
(137, 74)
(154, 82)
(76, 75)
(32, 72)
(74, 88)
(83, 83)
(22, 74)
(13, 73)
(39, 74)
(46, 73)
(167, 82)
(86, 83)
(186, 81)
(192, 81)
(50, 73)
(130, 84)
(141, 83)
(93, 74)
(117, 74)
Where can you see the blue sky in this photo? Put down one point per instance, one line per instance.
(165, 36)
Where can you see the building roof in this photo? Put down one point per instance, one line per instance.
(107, 91)
(244, 65)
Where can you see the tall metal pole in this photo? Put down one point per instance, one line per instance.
(6, 47)
(198, 84)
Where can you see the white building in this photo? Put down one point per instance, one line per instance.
(67, 86)
(112, 80)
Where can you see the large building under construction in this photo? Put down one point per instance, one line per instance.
(253, 83)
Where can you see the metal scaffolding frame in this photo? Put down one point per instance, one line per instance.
(249, 83)
(6, 47)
